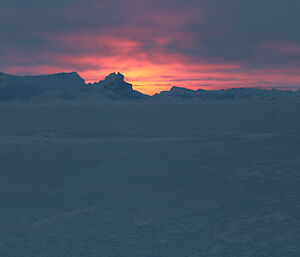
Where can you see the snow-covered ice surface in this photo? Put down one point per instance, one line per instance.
(149, 179)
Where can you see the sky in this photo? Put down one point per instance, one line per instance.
(156, 44)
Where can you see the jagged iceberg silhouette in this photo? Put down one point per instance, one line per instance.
(69, 86)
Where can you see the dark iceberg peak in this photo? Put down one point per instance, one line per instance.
(69, 77)
(181, 89)
(115, 77)
(180, 92)
(115, 82)
(25, 87)
(72, 74)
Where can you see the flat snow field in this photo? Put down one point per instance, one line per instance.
(149, 179)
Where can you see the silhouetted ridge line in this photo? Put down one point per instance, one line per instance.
(65, 86)
(70, 86)
(223, 94)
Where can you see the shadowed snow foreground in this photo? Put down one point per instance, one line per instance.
(149, 179)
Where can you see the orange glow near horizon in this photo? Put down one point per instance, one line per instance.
(154, 70)
(155, 44)
(151, 79)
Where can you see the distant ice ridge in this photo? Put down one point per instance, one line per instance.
(70, 86)
(233, 93)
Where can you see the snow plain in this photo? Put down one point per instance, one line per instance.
(120, 179)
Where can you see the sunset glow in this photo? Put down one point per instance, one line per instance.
(155, 45)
